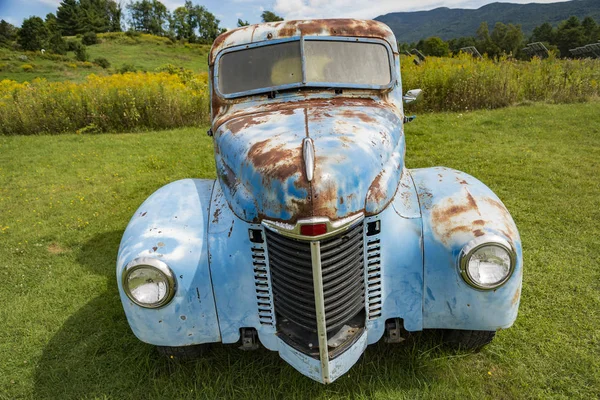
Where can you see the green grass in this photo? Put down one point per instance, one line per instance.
(145, 52)
(65, 201)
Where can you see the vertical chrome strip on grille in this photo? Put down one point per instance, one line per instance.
(315, 253)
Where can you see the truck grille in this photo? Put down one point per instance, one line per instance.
(342, 263)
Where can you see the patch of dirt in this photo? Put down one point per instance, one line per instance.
(54, 248)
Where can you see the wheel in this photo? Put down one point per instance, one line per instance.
(466, 340)
(182, 353)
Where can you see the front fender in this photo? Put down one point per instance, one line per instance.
(172, 225)
(456, 208)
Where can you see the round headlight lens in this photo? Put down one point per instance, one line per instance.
(149, 283)
(487, 265)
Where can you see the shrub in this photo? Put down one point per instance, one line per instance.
(72, 45)
(57, 44)
(27, 67)
(125, 68)
(72, 65)
(87, 64)
(81, 53)
(102, 62)
(132, 33)
(89, 38)
(114, 103)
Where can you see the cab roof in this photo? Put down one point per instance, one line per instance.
(313, 27)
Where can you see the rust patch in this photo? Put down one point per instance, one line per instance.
(228, 177)
(143, 214)
(472, 202)
(358, 114)
(478, 232)
(479, 222)
(154, 248)
(231, 229)
(306, 121)
(376, 191)
(516, 297)
(276, 162)
(318, 107)
(325, 200)
(216, 215)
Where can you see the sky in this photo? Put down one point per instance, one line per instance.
(228, 11)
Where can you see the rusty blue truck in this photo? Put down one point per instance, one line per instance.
(315, 240)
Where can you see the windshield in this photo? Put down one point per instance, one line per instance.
(327, 63)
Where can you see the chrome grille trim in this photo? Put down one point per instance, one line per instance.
(373, 276)
(343, 277)
(262, 282)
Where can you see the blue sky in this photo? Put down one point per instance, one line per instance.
(228, 11)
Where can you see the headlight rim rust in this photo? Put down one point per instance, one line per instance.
(162, 268)
(484, 241)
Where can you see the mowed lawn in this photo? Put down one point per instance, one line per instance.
(65, 201)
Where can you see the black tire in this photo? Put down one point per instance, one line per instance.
(182, 353)
(466, 340)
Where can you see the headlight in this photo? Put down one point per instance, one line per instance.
(148, 282)
(487, 262)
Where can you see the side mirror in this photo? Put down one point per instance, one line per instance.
(411, 96)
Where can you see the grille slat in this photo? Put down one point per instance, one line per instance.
(342, 260)
(264, 299)
(374, 296)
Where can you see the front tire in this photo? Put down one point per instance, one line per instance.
(466, 339)
(182, 353)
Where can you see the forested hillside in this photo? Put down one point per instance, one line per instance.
(449, 23)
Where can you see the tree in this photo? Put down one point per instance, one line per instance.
(56, 43)
(434, 46)
(543, 33)
(456, 44)
(591, 29)
(242, 23)
(115, 13)
(269, 16)
(149, 16)
(508, 38)
(194, 23)
(208, 26)
(569, 35)
(68, 17)
(33, 34)
(485, 44)
(179, 23)
(8, 33)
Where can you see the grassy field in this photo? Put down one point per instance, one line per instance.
(65, 201)
(144, 52)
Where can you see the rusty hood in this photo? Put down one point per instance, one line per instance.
(358, 160)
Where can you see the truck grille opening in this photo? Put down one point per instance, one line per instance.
(342, 261)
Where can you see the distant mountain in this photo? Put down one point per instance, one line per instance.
(449, 23)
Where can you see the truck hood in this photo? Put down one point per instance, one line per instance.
(358, 160)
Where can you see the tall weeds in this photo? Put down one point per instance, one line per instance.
(176, 98)
(116, 103)
(465, 83)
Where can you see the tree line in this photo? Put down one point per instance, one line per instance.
(190, 22)
(509, 39)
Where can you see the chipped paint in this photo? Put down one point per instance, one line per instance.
(201, 228)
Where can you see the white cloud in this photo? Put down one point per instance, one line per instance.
(300, 9)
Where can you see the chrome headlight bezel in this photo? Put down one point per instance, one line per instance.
(478, 243)
(158, 265)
